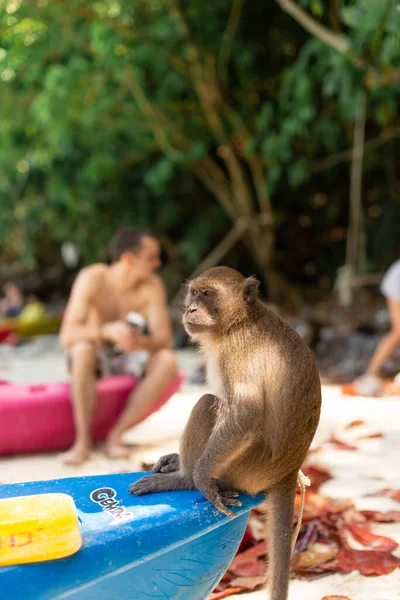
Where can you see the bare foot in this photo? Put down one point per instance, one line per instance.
(76, 455)
(114, 449)
(368, 385)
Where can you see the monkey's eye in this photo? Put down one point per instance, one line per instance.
(206, 292)
(194, 292)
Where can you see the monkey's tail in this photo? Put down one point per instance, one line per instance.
(280, 528)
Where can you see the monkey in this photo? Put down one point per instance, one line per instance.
(252, 433)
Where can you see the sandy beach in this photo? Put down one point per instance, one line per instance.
(375, 465)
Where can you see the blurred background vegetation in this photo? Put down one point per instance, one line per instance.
(226, 127)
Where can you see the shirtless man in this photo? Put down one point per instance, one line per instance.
(101, 297)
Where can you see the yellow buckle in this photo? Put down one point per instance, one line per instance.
(38, 528)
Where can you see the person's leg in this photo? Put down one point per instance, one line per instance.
(389, 343)
(83, 388)
(160, 371)
(369, 384)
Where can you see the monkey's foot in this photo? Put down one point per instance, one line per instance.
(167, 464)
(221, 500)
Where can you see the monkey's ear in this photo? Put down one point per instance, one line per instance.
(250, 289)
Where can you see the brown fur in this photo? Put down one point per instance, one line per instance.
(253, 434)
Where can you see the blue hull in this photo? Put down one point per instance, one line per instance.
(167, 546)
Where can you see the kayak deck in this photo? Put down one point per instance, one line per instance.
(172, 545)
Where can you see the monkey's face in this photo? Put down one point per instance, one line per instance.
(201, 309)
(217, 299)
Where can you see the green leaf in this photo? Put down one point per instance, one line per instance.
(158, 175)
(351, 15)
(298, 173)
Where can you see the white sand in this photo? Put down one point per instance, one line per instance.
(373, 466)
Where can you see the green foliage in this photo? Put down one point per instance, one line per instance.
(101, 123)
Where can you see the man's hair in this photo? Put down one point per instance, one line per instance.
(128, 239)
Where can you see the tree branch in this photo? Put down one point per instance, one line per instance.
(151, 115)
(228, 37)
(222, 248)
(212, 259)
(340, 44)
(312, 26)
(207, 170)
(255, 163)
(330, 161)
(356, 210)
(334, 15)
(209, 94)
(220, 191)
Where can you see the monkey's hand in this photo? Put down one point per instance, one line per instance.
(161, 482)
(167, 464)
(220, 500)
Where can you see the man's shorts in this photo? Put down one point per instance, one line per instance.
(390, 286)
(109, 362)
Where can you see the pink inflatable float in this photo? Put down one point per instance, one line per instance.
(37, 418)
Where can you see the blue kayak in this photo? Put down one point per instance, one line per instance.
(166, 546)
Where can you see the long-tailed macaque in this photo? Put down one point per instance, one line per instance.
(252, 434)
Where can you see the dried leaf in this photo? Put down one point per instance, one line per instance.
(247, 540)
(340, 444)
(318, 475)
(363, 536)
(315, 555)
(225, 581)
(392, 388)
(367, 562)
(349, 389)
(370, 436)
(250, 583)
(249, 563)
(391, 516)
(248, 568)
(315, 450)
(307, 535)
(335, 598)
(340, 505)
(388, 492)
(356, 423)
(257, 526)
(318, 506)
(225, 593)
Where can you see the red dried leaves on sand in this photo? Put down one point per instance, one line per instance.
(339, 525)
(388, 492)
(246, 572)
(363, 536)
(330, 530)
(367, 562)
(391, 516)
(340, 444)
(329, 539)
